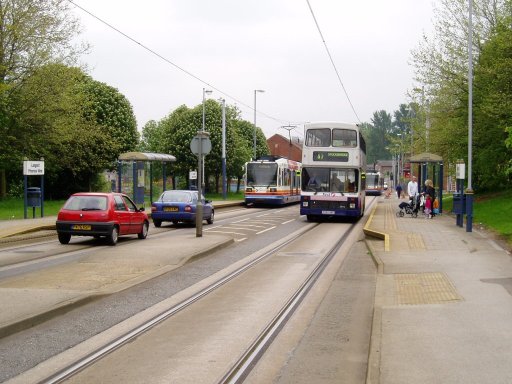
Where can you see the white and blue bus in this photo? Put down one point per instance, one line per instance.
(272, 180)
(333, 171)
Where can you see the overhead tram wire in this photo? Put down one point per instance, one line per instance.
(332, 61)
(173, 64)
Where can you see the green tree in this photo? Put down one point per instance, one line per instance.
(246, 131)
(32, 34)
(174, 133)
(493, 111)
(152, 138)
(80, 126)
(376, 136)
(55, 119)
(441, 67)
(111, 110)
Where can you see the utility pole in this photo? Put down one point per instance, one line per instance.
(289, 129)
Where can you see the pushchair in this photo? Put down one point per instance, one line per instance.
(410, 208)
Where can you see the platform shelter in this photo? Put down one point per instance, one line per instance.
(430, 166)
(144, 174)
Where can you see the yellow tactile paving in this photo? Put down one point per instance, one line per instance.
(424, 288)
(415, 241)
(390, 221)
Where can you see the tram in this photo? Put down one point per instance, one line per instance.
(272, 180)
(374, 183)
(333, 171)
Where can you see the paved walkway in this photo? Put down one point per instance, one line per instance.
(443, 307)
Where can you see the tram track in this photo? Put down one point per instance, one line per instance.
(243, 366)
(100, 352)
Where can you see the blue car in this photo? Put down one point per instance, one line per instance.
(180, 206)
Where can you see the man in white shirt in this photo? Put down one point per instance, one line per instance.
(412, 187)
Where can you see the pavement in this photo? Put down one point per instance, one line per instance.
(443, 301)
(443, 298)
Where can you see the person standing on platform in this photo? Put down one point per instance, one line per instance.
(398, 190)
(412, 187)
(430, 195)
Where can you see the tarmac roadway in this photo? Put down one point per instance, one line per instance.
(442, 302)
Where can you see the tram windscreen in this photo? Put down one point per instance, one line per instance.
(261, 174)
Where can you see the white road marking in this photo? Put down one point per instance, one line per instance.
(265, 230)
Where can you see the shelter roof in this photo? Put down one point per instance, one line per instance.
(426, 157)
(146, 156)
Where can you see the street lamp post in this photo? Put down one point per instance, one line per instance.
(255, 92)
(224, 178)
(205, 92)
(469, 189)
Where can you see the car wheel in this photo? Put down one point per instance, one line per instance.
(211, 218)
(144, 232)
(157, 223)
(64, 238)
(113, 236)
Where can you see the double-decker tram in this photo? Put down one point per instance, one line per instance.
(374, 183)
(333, 171)
(272, 180)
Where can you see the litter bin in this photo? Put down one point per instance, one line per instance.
(34, 197)
(459, 207)
(459, 203)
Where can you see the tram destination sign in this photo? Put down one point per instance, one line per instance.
(330, 156)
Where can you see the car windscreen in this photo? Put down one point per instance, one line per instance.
(86, 203)
(176, 197)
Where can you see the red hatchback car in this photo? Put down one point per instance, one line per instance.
(107, 215)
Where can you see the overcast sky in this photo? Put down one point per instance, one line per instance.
(238, 46)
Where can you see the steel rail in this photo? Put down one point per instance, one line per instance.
(72, 369)
(242, 368)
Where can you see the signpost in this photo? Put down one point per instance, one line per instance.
(200, 146)
(33, 196)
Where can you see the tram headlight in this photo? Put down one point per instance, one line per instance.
(273, 189)
(248, 189)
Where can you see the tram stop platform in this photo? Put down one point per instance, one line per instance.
(443, 301)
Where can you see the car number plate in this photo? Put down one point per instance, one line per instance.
(171, 209)
(328, 212)
(81, 227)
